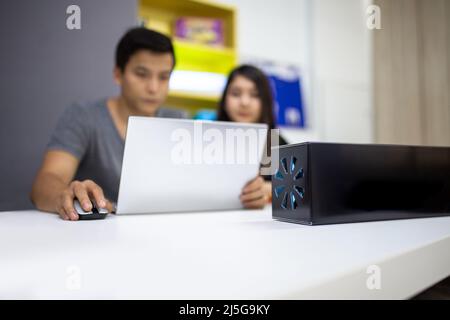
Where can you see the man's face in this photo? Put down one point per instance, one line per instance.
(145, 81)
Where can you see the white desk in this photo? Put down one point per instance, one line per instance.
(216, 255)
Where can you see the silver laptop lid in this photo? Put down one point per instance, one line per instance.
(173, 165)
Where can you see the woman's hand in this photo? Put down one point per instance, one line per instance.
(255, 194)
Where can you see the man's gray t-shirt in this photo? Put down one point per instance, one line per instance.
(88, 132)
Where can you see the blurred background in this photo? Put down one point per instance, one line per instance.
(355, 71)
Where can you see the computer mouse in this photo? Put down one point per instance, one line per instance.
(95, 214)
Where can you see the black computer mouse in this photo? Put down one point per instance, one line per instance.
(95, 214)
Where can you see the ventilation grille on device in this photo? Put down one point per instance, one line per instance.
(288, 189)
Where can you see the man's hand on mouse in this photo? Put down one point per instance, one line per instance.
(84, 191)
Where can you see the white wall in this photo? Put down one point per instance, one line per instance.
(329, 42)
(342, 70)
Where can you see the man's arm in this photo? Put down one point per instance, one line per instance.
(54, 191)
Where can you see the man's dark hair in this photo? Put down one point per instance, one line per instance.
(141, 38)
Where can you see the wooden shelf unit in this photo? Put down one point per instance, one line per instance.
(161, 15)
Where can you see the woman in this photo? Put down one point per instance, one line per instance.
(248, 98)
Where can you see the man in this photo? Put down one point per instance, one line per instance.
(84, 155)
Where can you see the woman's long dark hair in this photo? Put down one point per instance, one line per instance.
(264, 91)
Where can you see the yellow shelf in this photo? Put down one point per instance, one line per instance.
(202, 58)
(166, 11)
(188, 95)
(161, 16)
(192, 102)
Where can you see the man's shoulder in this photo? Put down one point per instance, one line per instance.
(86, 113)
(165, 112)
(88, 106)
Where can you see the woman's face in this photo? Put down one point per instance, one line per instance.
(242, 101)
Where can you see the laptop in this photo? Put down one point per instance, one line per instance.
(178, 165)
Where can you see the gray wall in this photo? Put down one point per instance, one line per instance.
(43, 68)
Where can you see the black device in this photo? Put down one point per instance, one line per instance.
(328, 183)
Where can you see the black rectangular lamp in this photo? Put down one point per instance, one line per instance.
(329, 183)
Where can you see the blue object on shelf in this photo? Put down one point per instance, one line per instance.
(286, 82)
(287, 91)
(206, 115)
